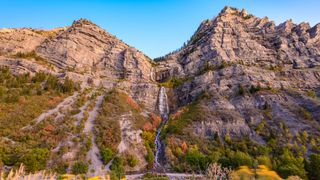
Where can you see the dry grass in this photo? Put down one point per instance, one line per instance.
(261, 173)
(216, 172)
(20, 174)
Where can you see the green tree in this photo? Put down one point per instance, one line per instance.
(39, 77)
(52, 82)
(67, 86)
(264, 160)
(150, 156)
(132, 160)
(107, 154)
(240, 159)
(290, 165)
(12, 96)
(117, 167)
(313, 166)
(36, 159)
(241, 90)
(80, 167)
(197, 160)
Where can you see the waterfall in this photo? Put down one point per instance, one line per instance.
(164, 113)
(163, 104)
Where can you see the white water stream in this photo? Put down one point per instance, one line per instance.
(164, 113)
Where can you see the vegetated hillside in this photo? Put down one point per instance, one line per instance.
(244, 92)
(75, 99)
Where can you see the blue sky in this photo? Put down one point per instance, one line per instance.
(155, 27)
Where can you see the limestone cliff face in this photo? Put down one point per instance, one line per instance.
(230, 57)
(235, 36)
(85, 53)
(23, 40)
(86, 48)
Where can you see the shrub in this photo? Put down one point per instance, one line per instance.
(240, 159)
(107, 154)
(67, 86)
(29, 55)
(175, 82)
(306, 114)
(290, 165)
(132, 161)
(118, 167)
(150, 176)
(312, 94)
(149, 157)
(215, 171)
(313, 166)
(241, 90)
(80, 167)
(254, 89)
(39, 77)
(12, 96)
(197, 160)
(36, 159)
(207, 67)
(264, 160)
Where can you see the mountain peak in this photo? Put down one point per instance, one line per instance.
(229, 10)
(83, 21)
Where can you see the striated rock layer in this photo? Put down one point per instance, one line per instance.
(237, 51)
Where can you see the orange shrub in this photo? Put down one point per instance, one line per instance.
(156, 120)
(132, 103)
(177, 114)
(184, 147)
(22, 100)
(49, 128)
(147, 126)
(53, 101)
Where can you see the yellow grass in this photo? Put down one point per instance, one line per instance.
(262, 173)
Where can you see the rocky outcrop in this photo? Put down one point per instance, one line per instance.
(236, 54)
(235, 37)
(86, 48)
(23, 40)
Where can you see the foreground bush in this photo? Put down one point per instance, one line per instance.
(80, 167)
(262, 172)
(215, 172)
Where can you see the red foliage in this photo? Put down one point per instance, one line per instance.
(156, 120)
(184, 147)
(49, 128)
(53, 101)
(133, 104)
(147, 126)
(178, 114)
(22, 99)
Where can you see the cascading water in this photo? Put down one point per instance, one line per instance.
(164, 113)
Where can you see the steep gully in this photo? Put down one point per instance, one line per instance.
(164, 113)
(93, 154)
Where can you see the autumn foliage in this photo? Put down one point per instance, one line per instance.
(184, 147)
(178, 113)
(147, 126)
(156, 120)
(133, 104)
